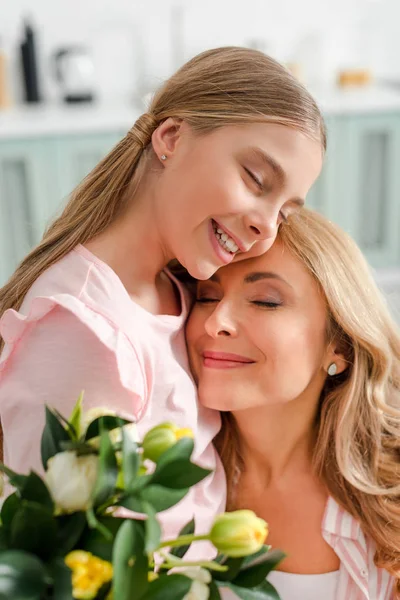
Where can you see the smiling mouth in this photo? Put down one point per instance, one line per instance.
(224, 240)
(225, 360)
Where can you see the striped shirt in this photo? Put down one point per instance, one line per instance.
(359, 578)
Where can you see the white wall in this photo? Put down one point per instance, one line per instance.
(133, 43)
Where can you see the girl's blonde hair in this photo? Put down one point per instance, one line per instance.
(224, 86)
(357, 452)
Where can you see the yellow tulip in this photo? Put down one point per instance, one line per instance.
(89, 574)
(160, 438)
(238, 533)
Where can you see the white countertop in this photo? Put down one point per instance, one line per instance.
(52, 120)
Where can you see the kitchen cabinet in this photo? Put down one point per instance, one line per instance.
(36, 177)
(359, 187)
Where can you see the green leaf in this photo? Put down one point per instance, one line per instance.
(130, 459)
(95, 523)
(22, 576)
(188, 529)
(130, 563)
(214, 592)
(183, 449)
(34, 530)
(255, 573)
(53, 434)
(265, 591)
(178, 474)
(16, 480)
(69, 531)
(35, 490)
(168, 587)
(132, 502)
(233, 564)
(108, 471)
(161, 497)
(152, 529)
(94, 541)
(9, 508)
(105, 423)
(62, 579)
(76, 415)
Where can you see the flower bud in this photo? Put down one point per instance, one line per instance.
(238, 533)
(89, 574)
(71, 480)
(160, 438)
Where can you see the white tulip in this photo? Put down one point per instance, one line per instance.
(201, 577)
(94, 413)
(71, 479)
(115, 434)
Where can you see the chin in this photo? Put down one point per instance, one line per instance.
(216, 402)
(201, 270)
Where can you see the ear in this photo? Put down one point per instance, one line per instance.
(166, 137)
(333, 355)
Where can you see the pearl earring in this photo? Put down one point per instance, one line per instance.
(332, 369)
(163, 157)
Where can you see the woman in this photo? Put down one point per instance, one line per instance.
(298, 350)
(229, 148)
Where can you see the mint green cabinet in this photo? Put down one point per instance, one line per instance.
(36, 177)
(25, 185)
(359, 187)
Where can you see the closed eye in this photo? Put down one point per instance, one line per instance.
(265, 304)
(206, 300)
(254, 178)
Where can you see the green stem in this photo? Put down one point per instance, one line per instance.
(170, 562)
(211, 566)
(183, 540)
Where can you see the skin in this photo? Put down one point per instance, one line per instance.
(278, 322)
(222, 175)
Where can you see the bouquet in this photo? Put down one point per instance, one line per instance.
(61, 537)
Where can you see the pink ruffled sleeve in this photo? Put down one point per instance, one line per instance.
(49, 358)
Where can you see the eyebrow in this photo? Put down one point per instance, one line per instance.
(279, 173)
(259, 275)
(256, 276)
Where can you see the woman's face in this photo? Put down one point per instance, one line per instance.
(224, 194)
(257, 334)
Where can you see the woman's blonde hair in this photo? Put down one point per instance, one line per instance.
(219, 87)
(357, 452)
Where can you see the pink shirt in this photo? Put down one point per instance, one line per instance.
(79, 329)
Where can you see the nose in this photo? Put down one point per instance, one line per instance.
(221, 323)
(263, 224)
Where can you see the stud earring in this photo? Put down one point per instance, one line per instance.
(332, 369)
(163, 157)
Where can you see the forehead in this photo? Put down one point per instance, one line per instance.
(278, 260)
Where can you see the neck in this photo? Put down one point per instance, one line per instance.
(277, 441)
(132, 245)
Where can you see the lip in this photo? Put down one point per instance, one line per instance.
(225, 256)
(237, 241)
(225, 360)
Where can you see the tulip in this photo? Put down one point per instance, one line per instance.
(89, 574)
(71, 480)
(238, 533)
(161, 438)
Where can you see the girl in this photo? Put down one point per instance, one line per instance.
(228, 149)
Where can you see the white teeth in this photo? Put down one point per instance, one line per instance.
(225, 241)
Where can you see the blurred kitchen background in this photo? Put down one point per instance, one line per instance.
(75, 75)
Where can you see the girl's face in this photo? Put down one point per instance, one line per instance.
(222, 196)
(257, 334)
